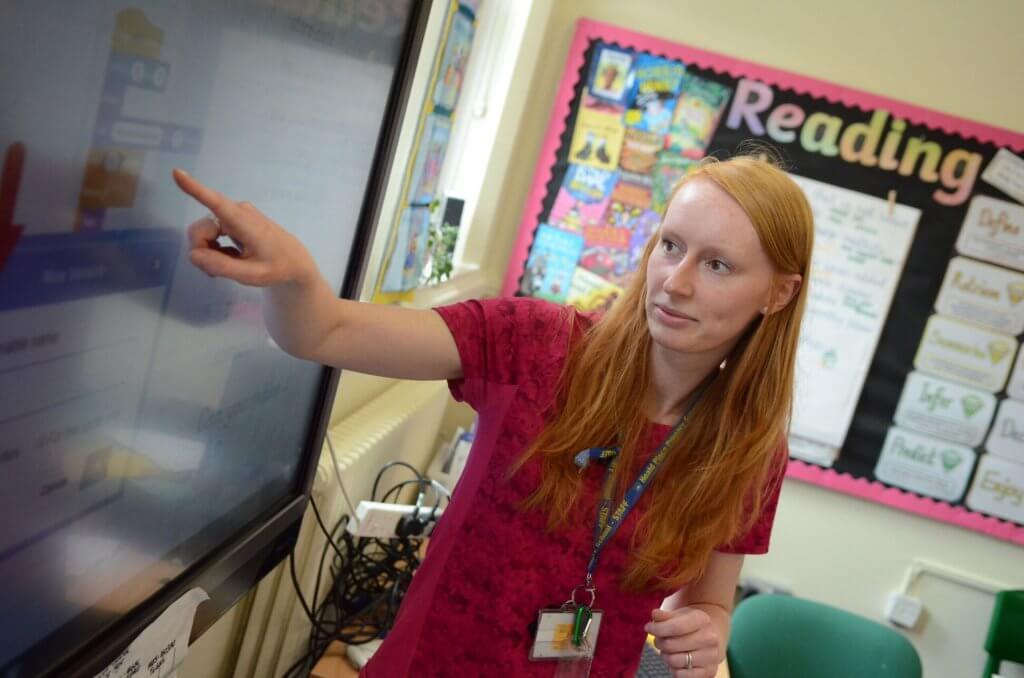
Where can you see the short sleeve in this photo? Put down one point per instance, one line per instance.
(756, 540)
(507, 341)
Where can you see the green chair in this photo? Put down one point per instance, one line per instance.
(1005, 632)
(775, 636)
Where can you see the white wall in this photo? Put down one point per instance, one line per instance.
(956, 57)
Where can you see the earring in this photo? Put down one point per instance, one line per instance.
(764, 311)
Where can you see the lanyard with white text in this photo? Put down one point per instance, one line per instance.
(607, 525)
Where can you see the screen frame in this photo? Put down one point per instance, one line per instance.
(240, 562)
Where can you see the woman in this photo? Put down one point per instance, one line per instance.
(681, 393)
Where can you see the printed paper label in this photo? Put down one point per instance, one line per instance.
(1007, 436)
(944, 409)
(966, 354)
(1006, 172)
(983, 294)
(993, 230)
(925, 465)
(998, 489)
(1016, 386)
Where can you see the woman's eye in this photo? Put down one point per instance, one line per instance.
(718, 266)
(668, 246)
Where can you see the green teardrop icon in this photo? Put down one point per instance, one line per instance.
(971, 404)
(951, 459)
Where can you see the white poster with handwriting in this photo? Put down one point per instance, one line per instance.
(811, 451)
(860, 248)
(993, 230)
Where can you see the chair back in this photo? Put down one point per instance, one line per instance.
(776, 636)
(1005, 641)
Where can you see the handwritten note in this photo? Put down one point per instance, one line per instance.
(161, 647)
(860, 248)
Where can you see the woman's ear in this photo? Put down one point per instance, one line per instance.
(786, 287)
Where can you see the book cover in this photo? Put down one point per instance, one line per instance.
(551, 264)
(696, 117)
(583, 198)
(656, 83)
(597, 139)
(609, 76)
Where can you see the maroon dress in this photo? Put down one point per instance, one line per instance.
(490, 566)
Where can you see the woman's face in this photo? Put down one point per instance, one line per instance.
(708, 276)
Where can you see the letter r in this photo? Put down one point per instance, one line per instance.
(752, 97)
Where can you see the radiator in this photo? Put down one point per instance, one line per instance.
(401, 423)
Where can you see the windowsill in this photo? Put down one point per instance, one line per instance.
(468, 283)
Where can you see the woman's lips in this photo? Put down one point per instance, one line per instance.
(672, 317)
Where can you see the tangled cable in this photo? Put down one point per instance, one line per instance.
(369, 579)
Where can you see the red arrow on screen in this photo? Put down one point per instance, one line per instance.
(10, 180)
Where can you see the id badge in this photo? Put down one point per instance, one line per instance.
(553, 640)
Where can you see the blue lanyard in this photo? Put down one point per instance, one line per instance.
(607, 525)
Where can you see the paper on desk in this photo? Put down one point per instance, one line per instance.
(161, 647)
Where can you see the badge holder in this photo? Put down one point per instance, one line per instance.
(568, 635)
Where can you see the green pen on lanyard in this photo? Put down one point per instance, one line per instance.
(581, 625)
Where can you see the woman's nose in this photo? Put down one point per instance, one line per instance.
(680, 279)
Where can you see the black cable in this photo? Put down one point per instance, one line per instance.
(391, 464)
(369, 579)
(323, 528)
(397, 489)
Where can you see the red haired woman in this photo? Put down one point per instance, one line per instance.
(626, 462)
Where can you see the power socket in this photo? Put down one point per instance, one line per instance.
(903, 609)
(381, 520)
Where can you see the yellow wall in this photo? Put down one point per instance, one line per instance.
(957, 57)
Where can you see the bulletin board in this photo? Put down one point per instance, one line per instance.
(910, 381)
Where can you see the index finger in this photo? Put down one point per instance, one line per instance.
(215, 201)
(684, 622)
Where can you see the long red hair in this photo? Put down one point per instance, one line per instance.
(709, 489)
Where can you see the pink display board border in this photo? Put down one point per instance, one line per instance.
(588, 30)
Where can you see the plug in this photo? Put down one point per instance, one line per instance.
(903, 609)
